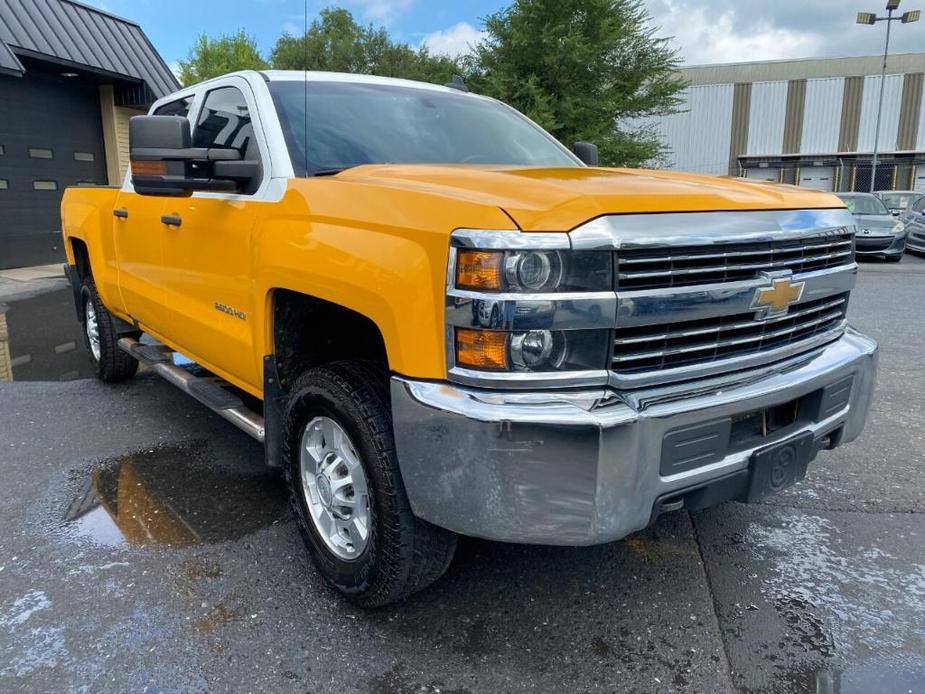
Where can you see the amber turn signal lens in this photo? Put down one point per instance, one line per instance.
(479, 269)
(482, 349)
(149, 168)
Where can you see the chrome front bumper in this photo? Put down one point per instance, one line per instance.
(579, 468)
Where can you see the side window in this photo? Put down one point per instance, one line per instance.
(225, 121)
(919, 205)
(175, 108)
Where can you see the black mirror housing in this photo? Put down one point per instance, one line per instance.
(587, 152)
(164, 162)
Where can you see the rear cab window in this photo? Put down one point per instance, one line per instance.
(180, 107)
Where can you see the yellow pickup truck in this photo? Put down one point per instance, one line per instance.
(440, 321)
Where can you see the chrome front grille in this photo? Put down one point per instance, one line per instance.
(680, 344)
(678, 266)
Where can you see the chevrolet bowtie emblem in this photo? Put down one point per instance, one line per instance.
(775, 300)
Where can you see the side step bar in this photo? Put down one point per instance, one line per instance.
(205, 390)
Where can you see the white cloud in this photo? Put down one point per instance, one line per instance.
(292, 28)
(382, 11)
(705, 36)
(455, 41)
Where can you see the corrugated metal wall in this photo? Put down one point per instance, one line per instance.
(698, 137)
(766, 118)
(889, 124)
(821, 115)
(920, 140)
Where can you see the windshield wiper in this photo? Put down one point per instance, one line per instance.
(329, 172)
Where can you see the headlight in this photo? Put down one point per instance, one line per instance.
(898, 228)
(533, 271)
(531, 350)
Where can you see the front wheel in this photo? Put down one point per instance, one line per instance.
(346, 489)
(101, 339)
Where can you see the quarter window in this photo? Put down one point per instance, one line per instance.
(179, 107)
(225, 121)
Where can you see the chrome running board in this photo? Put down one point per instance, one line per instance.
(205, 390)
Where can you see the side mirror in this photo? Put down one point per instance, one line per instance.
(165, 163)
(587, 152)
(895, 212)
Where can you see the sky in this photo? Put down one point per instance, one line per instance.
(709, 31)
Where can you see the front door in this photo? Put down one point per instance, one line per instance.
(208, 250)
(138, 244)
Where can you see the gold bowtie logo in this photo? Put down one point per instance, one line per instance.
(776, 299)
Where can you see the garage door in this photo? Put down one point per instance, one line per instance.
(818, 177)
(920, 179)
(51, 138)
(763, 174)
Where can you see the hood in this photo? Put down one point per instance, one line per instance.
(541, 199)
(876, 221)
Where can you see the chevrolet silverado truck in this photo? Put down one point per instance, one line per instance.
(439, 320)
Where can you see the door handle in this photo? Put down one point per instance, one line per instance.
(172, 220)
(120, 212)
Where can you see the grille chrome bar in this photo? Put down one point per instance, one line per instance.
(735, 326)
(729, 254)
(726, 337)
(662, 268)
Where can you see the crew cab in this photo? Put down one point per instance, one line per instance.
(441, 321)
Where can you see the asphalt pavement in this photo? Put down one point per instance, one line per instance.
(144, 547)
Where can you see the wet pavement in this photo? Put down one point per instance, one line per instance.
(145, 547)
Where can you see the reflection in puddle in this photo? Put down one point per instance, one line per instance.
(172, 496)
(870, 679)
(42, 340)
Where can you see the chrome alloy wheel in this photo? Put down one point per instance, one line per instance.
(334, 487)
(92, 328)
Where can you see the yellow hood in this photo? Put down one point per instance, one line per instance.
(560, 199)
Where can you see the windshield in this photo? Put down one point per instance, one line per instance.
(897, 201)
(353, 123)
(864, 204)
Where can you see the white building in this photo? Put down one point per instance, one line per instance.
(809, 122)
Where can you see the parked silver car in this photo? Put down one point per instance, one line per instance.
(914, 220)
(898, 201)
(880, 234)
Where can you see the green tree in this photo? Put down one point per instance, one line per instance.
(588, 70)
(336, 42)
(215, 57)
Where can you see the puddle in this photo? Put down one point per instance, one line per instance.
(171, 496)
(866, 679)
(42, 340)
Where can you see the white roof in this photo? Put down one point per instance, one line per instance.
(313, 76)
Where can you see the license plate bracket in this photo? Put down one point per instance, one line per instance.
(777, 467)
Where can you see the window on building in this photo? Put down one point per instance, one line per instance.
(45, 185)
(2, 150)
(224, 121)
(41, 153)
(4, 184)
(180, 107)
(84, 156)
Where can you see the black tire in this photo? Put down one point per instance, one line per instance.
(404, 554)
(113, 364)
(894, 258)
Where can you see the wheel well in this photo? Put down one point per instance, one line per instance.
(308, 331)
(81, 258)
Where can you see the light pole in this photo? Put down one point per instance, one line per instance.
(871, 18)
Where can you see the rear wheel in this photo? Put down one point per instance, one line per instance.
(101, 339)
(346, 489)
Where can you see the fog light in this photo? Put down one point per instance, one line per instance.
(538, 350)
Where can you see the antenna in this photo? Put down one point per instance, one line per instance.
(305, 82)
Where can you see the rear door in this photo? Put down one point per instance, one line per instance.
(208, 257)
(914, 219)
